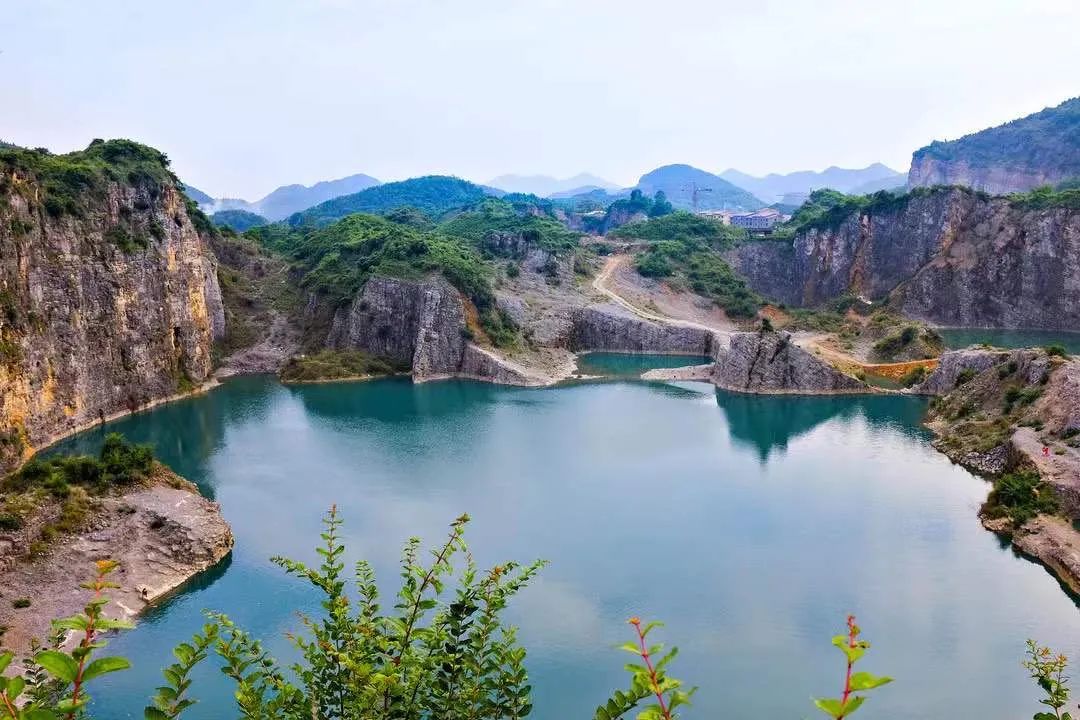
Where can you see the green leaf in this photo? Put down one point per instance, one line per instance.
(58, 664)
(867, 681)
(829, 706)
(5, 660)
(105, 665)
(152, 713)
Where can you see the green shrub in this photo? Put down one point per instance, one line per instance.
(913, 376)
(20, 603)
(337, 365)
(1020, 495)
(119, 463)
(1056, 351)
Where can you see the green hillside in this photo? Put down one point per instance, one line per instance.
(495, 215)
(1048, 139)
(433, 194)
(238, 220)
(685, 250)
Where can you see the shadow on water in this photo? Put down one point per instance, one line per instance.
(202, 581)
(769, 422)
(186, 433)
(398, 400)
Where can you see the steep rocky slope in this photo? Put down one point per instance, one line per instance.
(1040, 149)
(109, 290)
(946, 255)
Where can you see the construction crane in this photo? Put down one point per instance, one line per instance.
(694, 190)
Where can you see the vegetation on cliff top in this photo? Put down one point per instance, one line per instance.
(67, 182)
(685, 249)
(69, 483)
(338, 259)
(493, 215)
(433, 195)
(829, 209)
(1048, 139)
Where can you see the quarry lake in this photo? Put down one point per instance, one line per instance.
(751, 525)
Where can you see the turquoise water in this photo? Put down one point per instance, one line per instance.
(962, 337)
(751, 525)
(632, 365)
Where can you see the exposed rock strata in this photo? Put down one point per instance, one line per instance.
(162, 535)
(947, 256)
(92, 328)
(614, 329)
(769, 362)
(421, 324)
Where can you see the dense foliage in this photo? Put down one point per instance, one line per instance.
(67, 182)
(433, 195)
(638, 202)
(1020, 496)
(1046, 140)
(493, 215)
(238, 220)
(336, 365)
(119, 463)
(686, 249)
(338, 259)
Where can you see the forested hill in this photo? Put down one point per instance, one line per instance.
(678, 182)
(433, 194)
(1040, 149)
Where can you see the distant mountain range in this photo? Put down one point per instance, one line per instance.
(286, 200)
(547, 186)
(773, 187)
(1040, 149)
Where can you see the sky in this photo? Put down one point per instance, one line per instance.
(247, 95)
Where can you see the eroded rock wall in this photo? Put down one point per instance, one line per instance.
(948, 256)
(102, 311)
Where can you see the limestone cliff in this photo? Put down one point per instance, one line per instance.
(768, 362)
(1040, 149)
(108, 291)
(420, 324)
(613, 329)
(948, 256)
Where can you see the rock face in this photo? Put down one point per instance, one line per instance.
(611, 328)
(947, 256)
(422, 324)
(103, 311)
(768, 362)
(927, 171)
(1040, 149)
(943, 379)
(162, 535)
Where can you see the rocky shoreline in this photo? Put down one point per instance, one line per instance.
(1038, 437)
(162, 532)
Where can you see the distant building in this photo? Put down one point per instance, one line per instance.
(724, 216)
(758, 221)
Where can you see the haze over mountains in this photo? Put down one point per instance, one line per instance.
(1041, 148)
(774, 186)
(547, 186)
(288, 199)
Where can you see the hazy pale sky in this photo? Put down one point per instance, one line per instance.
(246, 95)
